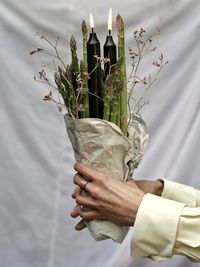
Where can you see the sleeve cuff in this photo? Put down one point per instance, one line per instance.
(155, 228)
(198, 198)
(179, 192)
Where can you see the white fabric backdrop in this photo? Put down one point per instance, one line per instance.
(36, 159)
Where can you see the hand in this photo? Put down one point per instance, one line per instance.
(108, 199)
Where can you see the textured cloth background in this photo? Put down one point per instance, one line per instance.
(36, 159)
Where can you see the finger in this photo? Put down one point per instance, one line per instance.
(82, 183)
(86, 215)
(76, 211)
(80, 226)
(91, 215)
(87, 172)
(85, 201)
(76, 191)
(79, 180)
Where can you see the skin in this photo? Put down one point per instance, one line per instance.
(108, 199)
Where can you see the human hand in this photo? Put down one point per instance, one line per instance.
(108, 199)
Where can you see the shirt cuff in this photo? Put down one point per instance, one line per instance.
(198, 198)
(155, 228)
(179, 192)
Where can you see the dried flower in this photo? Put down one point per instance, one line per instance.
(36, 50)
(48, 97)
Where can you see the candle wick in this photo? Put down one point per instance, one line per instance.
(109, 32)
(92, 30)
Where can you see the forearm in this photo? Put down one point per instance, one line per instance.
(171, 190)
(152, 187)
(164, 228)
(155, 228)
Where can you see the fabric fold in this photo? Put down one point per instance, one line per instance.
(179, 192)
(156, 213)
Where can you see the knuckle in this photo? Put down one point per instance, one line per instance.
(95, 193)
(97, 206)
(103, 179)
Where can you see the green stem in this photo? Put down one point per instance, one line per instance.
(85, 39)
(72, 94)
(61, 89)
(116, 94)
(74, 67)
(121, 56)
(84, 99)
(107, 97)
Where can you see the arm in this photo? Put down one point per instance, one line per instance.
(179, 226)
(171, 190)
(163, 227)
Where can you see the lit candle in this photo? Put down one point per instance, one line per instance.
(109, 46)
(94, 83)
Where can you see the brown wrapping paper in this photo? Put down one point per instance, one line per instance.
(101, 145)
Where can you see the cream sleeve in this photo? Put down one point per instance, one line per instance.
(165, 227)
(181, 193)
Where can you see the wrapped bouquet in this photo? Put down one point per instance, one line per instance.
(106, 130)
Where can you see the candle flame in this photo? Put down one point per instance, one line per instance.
(110, 20)
(91, 21)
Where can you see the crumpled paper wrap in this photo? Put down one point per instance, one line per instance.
(102, 145)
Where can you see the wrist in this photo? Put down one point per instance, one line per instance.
(137, 203)
(159, 185)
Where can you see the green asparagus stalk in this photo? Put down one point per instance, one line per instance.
(121, 56)
(107, 98)
(85, 39)
(84, 98)
(118, 85)
(72, 94)
(69, 97)
(61, 89)
(115, 111)
(114, 93)
(74, 64)
(64, 78)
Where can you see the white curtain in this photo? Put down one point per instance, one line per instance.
(36, 158)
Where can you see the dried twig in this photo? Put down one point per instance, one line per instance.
(143, 47)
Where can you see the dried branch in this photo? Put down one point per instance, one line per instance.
(143, 47)
(56, 55)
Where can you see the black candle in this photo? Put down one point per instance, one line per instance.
(109, 46)
(94, 70)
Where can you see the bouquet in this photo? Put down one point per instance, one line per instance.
(103, 118)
